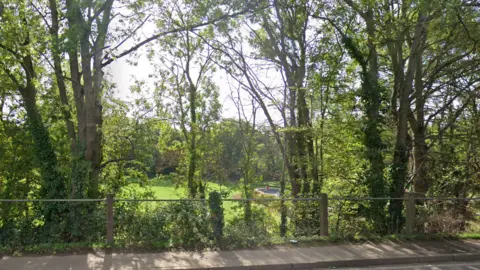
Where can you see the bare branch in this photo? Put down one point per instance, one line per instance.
(132, 33)
(44, 18)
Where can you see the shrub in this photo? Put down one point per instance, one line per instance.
(188, 224)
(438, 220)
(140, 222)
(240, 233)
(216, 215)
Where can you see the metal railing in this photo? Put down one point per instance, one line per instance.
(320, 213)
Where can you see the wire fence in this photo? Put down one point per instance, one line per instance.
(190, 223)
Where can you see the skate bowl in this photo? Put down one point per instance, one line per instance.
(270, 191)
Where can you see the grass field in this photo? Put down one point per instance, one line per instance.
(167, 189)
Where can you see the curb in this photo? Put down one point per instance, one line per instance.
(459, 257)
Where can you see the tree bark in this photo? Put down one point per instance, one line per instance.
(88, 98)
(400, 157)
(371, 96)
(75, 25)
(53, 186)
(300, 140)
(57, 62)
(372, 92)
(192, 186)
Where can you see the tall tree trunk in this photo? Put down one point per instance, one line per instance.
(400, 157)
(417, 124)
(97, 51)
(192, 185)
(302, 157)
(80, 170)
(57, 63)
(371, 96)
(53, 183)
(321, 146)
(90, 124)
(88, 98)
(291, 137)
(371, 93)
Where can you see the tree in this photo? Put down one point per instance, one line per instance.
(194, 91)
(371, 94)
(20, 32)
(247, 126)
(283, 40)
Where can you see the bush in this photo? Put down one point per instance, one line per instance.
(257, 232)
(438, 220)
(188, 224)
(140, 222)
(86, 222)
(216, 215)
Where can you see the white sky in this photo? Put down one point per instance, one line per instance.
(124, 75)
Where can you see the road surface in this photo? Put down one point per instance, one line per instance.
(439, 266)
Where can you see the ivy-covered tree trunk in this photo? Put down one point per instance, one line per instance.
(53, 184)
(192, 184)
(401, 150)
(371, 96)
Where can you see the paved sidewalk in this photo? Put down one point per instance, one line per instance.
(273, 258)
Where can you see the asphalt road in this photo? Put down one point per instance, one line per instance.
(439, 266)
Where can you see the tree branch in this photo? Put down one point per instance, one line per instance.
(14, 53)
(132, 33)
(109, 60)
(97, 13)
(457, 114)
(44, 18)
(355, 7)
(10, 75)
(114, 161)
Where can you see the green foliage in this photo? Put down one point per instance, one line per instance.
(216, 215)
(189, 224)
(329, 75)
(140, 222)
(258, 231)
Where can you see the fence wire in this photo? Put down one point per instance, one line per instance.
(187, 223)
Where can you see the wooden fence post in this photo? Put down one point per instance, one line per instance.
(110, 218)
(410, 213)
(323, 214)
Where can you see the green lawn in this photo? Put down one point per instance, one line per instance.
(168, 190)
